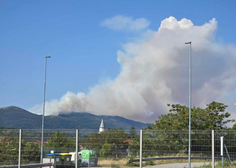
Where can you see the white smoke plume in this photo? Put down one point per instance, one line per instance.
(154, 72)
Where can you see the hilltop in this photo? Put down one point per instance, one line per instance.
(16, 117)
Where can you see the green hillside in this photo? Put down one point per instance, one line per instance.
(16, 117)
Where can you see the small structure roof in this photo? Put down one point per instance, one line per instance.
(102, 125)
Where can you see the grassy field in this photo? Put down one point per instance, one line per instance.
(219, 165)
(125, 163)
(122, 163)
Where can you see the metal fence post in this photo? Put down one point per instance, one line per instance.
(227, 154)
(76, 150)
(19, 157)
(222, 149)
(213, 148)
(141, 148)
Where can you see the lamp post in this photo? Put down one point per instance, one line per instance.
(190, 99)
(44, 93)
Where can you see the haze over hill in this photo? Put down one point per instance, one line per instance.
(16, 117)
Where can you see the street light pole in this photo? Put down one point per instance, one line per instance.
(190, 100)
(44, 93)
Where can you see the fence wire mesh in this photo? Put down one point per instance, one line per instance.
(229, 141)
(9, 147)
(58, 141)
(112, 144)
(175, 143)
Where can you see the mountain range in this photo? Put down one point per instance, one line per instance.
(15, 117)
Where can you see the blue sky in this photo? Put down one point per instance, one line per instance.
(83, 49)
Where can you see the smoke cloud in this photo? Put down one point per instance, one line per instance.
(154, 72)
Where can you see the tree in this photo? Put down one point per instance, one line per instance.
(9, 149)
(106, 150)
(111, 142)
(60, 143)
(30, 152)
(212, 117)
(132, 131)
(170, 132)
(234, 127)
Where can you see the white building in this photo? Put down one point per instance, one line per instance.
(102, 127)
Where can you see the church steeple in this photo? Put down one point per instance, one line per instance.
(102, 127)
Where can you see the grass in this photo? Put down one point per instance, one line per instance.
(219, 165)
(112, 162)
(119, 163)
(125, 162)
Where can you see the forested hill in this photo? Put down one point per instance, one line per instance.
(15, 117)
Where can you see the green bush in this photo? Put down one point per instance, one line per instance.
(149, 162)
(106, 150)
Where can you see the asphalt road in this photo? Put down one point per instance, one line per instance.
(178, 165)
(172, 165)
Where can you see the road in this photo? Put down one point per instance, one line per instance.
(172, 165)
(178, 165)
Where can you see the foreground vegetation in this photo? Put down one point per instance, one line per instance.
(168, 136)
(125, 163)
(218, 164)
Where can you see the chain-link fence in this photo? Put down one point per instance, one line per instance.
(9, 146)
(175, 143)
(229, 142)
(112, 144)
(56, 141)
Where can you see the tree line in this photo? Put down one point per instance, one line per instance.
(168, 133)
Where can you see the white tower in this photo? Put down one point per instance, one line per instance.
(102, 127)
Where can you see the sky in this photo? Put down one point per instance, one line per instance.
(125, 58)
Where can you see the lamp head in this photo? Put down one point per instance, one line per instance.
(188, 42)
(47, 56)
